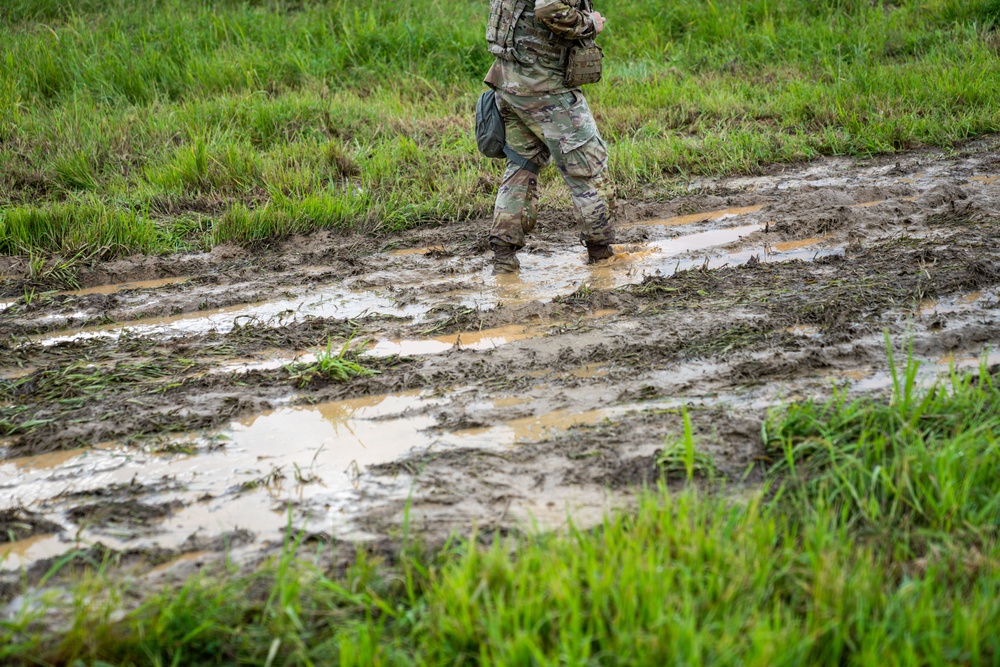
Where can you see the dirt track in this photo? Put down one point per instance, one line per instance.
(159, 419)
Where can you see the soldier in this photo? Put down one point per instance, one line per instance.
(544, 50)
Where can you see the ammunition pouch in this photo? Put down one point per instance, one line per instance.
(584, 65)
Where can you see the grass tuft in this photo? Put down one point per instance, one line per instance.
(329, 365)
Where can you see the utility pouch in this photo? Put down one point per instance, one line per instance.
(584, 65)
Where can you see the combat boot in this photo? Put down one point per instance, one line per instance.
(504, 258)
(598, 251)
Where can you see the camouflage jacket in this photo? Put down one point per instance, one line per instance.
(544, 30)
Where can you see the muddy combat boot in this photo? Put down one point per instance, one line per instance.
(598, 251)
(504, 259)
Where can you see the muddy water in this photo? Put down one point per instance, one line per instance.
(483, 339)
(294, 454)
(798, 245)
(473, 340)
(983, 299)
(542, 278)
(679, 220)
(416, 251)
(315, 458)
(120, 287)
(246, 476)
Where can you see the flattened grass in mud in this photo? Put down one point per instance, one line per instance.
(838, 293)
(137, 127)
(874, 536)
(71, 403)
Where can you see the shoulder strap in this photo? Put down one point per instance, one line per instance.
(520, 160)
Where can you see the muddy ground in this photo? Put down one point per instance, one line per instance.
(167, 413)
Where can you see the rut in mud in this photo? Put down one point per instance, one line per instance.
(164, 412)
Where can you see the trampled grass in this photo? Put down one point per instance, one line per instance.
(873, 542)
(158, 126)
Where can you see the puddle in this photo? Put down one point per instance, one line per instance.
(333, 302)
(696, 217)
(47, 461)
(195, 557)
(15, 373)
(803, 330)
(30, 549)
(968, 361)
(703, 240)
(416, 251)
(244, 480)
(542, 278)
(855, 374)
(118, 287)
(796, 245)
(530, 429)
(593, 370)
(247, 475)
(964, 303)
(486, 339)
(985, 180)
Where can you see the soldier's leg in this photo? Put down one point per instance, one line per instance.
(582, 160)
(570, 133)
(516, 210)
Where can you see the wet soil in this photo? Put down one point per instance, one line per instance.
(175, 409)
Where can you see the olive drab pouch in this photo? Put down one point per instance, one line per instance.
(584, 65)
(585, 61)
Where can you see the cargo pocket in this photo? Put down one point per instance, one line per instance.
(584, 153)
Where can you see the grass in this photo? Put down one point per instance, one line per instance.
(683, 457)
(873, 541)
(160, 126)
(914, 472)
(329, 365)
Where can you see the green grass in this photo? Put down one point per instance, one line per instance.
(175, 124)
(329, 365)
(873, 541)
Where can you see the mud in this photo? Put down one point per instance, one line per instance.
(171, 410)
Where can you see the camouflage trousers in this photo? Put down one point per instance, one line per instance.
(557, 126)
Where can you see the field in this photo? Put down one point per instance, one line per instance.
(262, 401)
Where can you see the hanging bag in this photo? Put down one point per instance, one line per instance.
(491, 135)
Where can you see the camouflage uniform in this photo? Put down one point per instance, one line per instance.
(545, 119)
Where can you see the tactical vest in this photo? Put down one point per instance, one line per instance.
(513, 33)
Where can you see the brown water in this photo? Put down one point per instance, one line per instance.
(467, 340)
(315, 455)
(542, 278)
(416, 251)
(963, 303)
(118, 287)
(796, 245)
(692, 218)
